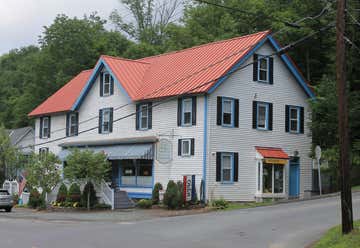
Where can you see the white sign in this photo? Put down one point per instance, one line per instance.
(318, 152)
(188, 188)
(164, 151)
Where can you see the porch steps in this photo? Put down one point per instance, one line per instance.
(122, 200)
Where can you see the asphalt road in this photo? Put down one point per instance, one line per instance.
(286, 225)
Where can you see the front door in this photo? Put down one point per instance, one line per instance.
(294, 177)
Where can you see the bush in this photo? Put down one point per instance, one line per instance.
(172, 197)
(74, 193)
(16, 199)
(84, 197)
(36, 200)
(220, 204)
(62, 193)
(155, 193)
(102, 206)
(180, 186)
(144, 203)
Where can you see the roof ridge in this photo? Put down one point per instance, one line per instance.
(120, 58)
(205, 44)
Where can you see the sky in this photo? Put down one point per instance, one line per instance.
(22, 21)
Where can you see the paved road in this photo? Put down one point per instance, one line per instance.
(285, 225)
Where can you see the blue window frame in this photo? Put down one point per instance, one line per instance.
(108, 82)
(186, 119)
(263, 69)
(227, 167)
(294, 119)
(144, 117)
(262, 118)
(106, 120)
(227, 113)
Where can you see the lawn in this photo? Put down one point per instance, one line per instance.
(355, 188)
(241, 205)
(334, 239)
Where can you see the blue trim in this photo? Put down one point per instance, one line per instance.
(267, 69)
(139, 195)
(223, 99)
(135, 186)
(231, 154)
(292, 68)
(99, 66)
(237, 65)
(266, 104)
(182, 149)
(205, 143)
(296, 166)
(152, 173)
(183, 112)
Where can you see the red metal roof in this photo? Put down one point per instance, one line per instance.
(163, 75)
(271, 152)
(65, 97)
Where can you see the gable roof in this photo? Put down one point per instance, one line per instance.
(16, 135)
(194, 70)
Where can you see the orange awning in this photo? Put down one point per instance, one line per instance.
(271, 152)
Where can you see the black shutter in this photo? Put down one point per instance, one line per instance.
(270, 116)
(137, 120)
(149, 115)
(254, 122)
(255, 67)
(101, 84)
(100, 121)
(271, 70)
(218, 166)
(287, 118)
(77, 124)
(111, 85)
(179, 147)
(192, 146)
(219, 111)
(111, 120)
(179, 115)
(193, 110)
(41, 127)
(67, 124)
(236, 116)
(236, 167)
(301, 119)
(49, 127)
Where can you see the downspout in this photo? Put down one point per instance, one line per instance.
(205, 143)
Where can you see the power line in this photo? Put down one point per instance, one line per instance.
(280, 52)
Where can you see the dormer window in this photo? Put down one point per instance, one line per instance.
(45, 127)
(263, 69)
(106, 84)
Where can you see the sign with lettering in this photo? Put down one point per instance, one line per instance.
(189, 189)
(275, 161)
(164, 151)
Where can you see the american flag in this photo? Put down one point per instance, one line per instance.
(22, 183)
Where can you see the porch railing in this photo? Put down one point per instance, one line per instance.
(107, 194)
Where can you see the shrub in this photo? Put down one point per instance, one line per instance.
(155, 193)
(172, 197)
(89, 187)
(220, 204)
(62, 193)
(15, 198)
(36, 200)
(145, 203)
(74, 193)
(180, 186)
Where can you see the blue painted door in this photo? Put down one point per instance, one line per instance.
(294, 178)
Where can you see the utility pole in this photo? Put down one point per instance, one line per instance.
(344, 161)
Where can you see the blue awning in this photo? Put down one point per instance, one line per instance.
(117, 152)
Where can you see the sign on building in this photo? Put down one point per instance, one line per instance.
(164, 151)
(189, 192)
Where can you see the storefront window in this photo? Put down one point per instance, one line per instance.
(267, 178)
(136, 172)
(278, 178)
(273, 178)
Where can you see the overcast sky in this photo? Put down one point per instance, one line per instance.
(22, 21)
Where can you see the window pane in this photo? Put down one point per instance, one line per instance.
(144, 177)
(293, 113)
(227, 106)
(278, 178)
(187, 110)
(227, 118)
(261, 122)
(187, 105)
(128, 172)
(144, 123)
(73, 119)
(267, 178)
(226, 175)
(187, 118)
(185, 147)
(293, 125)
(263, 64)
(226, 168)
(263, 75)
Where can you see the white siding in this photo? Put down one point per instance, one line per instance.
(284, 91)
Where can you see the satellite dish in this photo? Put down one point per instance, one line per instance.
(318, 152)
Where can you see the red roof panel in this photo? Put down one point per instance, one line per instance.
(271, 152)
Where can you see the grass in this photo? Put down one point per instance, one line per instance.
(355, 188)
(242, 205)
(334, 238)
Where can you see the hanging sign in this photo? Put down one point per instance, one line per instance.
(189, 188)
(275, 161)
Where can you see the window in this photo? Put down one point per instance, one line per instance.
(144, 115)
(262, 116)
(273, 178)
(43, 151)
(72, 124)
(136, 173)
(263, 69)
(226, 167)
(227, 112)
(106, 121)
(294, 119)
(45, 127)
(107, 84)
(187, 111)
(186, 147)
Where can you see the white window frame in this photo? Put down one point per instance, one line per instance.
(73, 125)
(183, 141)
(47, 127)
(260, 69)
(297, 119)
(43, 151)
(104, 113)
(188, 99)
(141, 116)
(266, 105)
(232, 105)
(231, 156)
(272, 179)
(106, 83)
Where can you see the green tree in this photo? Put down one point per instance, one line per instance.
(86, 166)
(42, 171)
(8, 156)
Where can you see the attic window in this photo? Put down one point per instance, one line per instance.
(107, 84)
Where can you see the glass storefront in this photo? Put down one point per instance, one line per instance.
(273, 178)
(136, 173)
